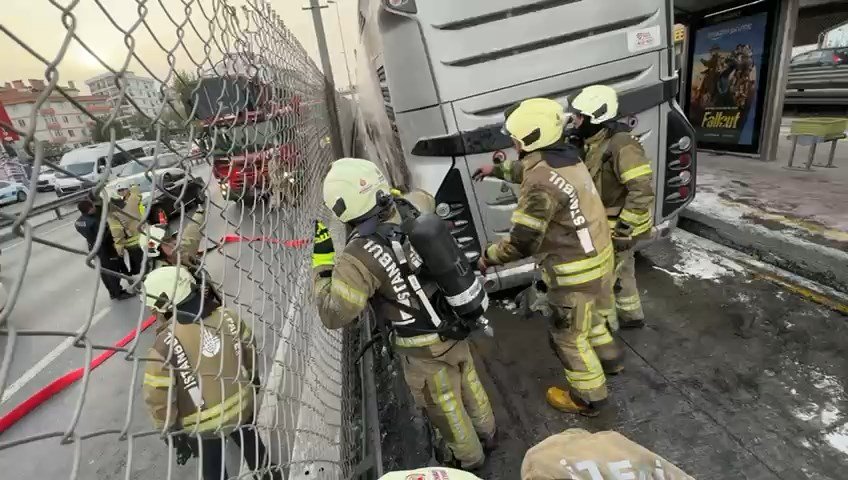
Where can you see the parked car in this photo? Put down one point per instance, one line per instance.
(821, 69)
(87, 164)
(46, 180)
(12, 192)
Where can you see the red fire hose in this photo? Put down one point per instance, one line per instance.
(64, 381)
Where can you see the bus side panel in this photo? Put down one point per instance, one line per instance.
(405, 56)
(483, 45)
(497, 199)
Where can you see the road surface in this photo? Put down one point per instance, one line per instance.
(261, 283)
(732, 378)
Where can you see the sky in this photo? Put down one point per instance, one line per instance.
(47, 34)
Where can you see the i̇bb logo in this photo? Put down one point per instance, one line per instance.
(416, 476)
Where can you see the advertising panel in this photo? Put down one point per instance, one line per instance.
(727, 84)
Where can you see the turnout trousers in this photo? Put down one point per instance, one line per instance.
(627, 301)
(581, 340)
(445, 384)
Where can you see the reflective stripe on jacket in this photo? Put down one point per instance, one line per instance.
(360, 277)
(199, 377)
(560, 220)
(622, 172)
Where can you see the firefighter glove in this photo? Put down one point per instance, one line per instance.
(323, 253)
(622, 236)
(182, 445)
(483, 172)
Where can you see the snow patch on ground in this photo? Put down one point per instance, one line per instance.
(838, 439)
(696, 262)
(807, 412)
(829, 414)
(827, 383)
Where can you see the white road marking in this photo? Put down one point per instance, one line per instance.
(47, 360)
(41, 233)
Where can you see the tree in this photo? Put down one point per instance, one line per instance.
(98, 134)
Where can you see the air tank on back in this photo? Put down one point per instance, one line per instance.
(446, 265)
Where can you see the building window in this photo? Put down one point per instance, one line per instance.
(71, 133)
(22, 123)
(65, 119)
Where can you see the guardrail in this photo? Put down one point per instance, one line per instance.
(55, 206)
(818, 78)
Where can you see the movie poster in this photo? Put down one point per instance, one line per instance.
(727, 73)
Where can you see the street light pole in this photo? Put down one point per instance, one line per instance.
(344, 47)
(329, 84)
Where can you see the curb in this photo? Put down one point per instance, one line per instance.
(825, 265)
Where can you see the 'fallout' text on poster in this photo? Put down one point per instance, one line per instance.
(726, 75)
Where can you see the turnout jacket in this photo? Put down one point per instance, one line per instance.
(200, 376)
(623, 175)
(124, 221)
(560, 219)
(369, 271)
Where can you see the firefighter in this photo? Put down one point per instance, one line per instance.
(124, 220)
(200, 382)
(623, 175)
(166, 246)
(560, 220)
(438, 370)
(88, 225)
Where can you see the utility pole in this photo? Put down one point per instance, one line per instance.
(329, 84)
(344, 47)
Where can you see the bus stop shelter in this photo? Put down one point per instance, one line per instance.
(761, 31)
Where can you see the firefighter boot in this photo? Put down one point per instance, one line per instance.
(564, 402)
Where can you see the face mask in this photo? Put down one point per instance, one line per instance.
(587, 129)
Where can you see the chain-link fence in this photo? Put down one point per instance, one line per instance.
(202, 144)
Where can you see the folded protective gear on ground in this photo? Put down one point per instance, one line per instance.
(579, 455)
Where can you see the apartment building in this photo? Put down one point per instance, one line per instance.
(142, 90)
(57, 120)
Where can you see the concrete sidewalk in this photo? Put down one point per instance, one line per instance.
(794, 219)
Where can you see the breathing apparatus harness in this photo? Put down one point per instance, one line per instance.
(456, 309)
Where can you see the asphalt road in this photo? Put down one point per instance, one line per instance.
(57, 298)
(732, 378)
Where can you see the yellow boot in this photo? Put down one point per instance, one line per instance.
(562, 401)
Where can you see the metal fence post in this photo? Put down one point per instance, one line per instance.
(326, 66)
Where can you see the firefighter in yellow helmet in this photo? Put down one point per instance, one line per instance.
(560, 220)
(625, 180)
(378, 266)
(200, 380)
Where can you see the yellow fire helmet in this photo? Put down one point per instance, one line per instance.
(535, 123)
(598, 102)
(166, 287)
(352, 187)
(433, 473)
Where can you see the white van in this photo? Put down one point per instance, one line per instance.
(86, 164)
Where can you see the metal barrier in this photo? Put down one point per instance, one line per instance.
(238, 85)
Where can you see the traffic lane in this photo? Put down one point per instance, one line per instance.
(59, 287)
(732, 378)
(40, 199)
(106, 401)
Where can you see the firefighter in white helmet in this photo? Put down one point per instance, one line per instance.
(379, 267)
(200, 379)
(560, 221)
(623, 175)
